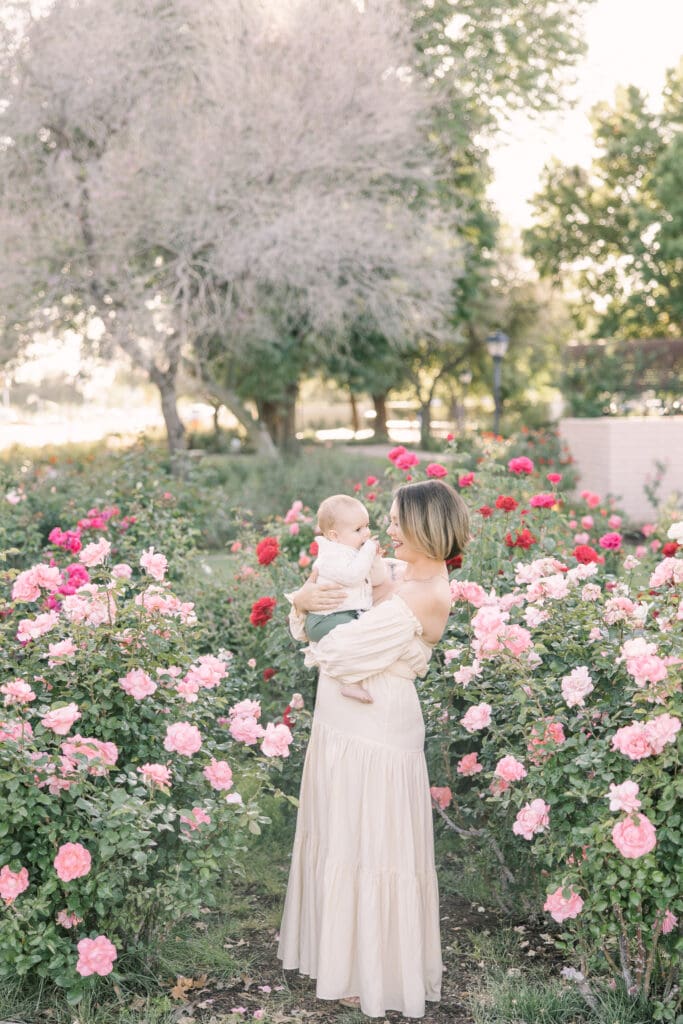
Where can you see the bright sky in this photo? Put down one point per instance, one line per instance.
(630, 42)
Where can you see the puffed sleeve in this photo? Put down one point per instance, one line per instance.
(297, 621)
(368, 645)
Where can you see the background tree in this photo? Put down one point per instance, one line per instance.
(195, 158)
(614, 231)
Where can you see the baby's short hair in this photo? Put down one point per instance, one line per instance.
(330, 509)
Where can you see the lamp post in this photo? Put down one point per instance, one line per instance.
(497, 345)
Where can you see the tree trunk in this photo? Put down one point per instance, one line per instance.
(425, 424)
(355, 419)
(380, 403)
(256, 430)
(279, 418)
(175, 428)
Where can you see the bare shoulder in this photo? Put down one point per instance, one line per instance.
(430, 603)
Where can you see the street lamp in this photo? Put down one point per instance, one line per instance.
(497, 345)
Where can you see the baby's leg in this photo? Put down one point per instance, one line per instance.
(357, 691)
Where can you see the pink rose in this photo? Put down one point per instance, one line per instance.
(57, 651)
(467, 673)
(96, 956)
(576, 686)
(122, 571)
(632, 740)
(197, 817)
(614, 522)
(478, 716)
(25, 587)
(246, 729)
(296, 702)
(469, 765)
(436, 469)
(72, 861)
(510, 769)
(560, 907)
(466, 480)
(156, 773)
(219, 774)
(17, 692)
(669, 922)
(521, 465)
(31, 629)
(154, 563)
(183, 738)
(276, 740)
(12, 883)
(60, 720)
(95, 553)
(634, 836)
(624, 797)
(137, 684)
(441, 796)
(532, 819)
(543, 500)
(610, 541)
(661, 730)
(68, 920)
(246, 708)
(516, 639)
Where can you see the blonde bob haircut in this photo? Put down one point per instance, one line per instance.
(433, 518)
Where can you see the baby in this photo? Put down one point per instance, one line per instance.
(349, 556)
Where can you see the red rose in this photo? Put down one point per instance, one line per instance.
(485, 511)
(371, 481)
(268, 673)
(371, 496)
(584, 553)
(262, 611)
(286, 719)
(454, 563)
(313, 548)
(267, 550)
(505, 502)
(436, 469)
(523, 539)
(670, 549)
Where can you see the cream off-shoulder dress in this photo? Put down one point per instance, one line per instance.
(361, 913)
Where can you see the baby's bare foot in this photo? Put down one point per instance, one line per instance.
(357, 693)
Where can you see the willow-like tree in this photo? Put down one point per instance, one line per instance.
(166, 163)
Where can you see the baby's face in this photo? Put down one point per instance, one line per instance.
(352, 527)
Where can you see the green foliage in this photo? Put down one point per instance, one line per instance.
(615, 230)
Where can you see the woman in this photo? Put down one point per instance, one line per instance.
(362, 908)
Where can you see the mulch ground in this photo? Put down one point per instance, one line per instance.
(292, 998)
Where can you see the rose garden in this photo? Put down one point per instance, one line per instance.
(156, 711)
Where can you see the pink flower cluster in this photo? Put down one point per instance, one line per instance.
(469, 765)
(476, 717)
(561, 907)
(138, 684)
(96, 956)
(12, 883)
(183, 738)
(510, 769)
(643, 739)
(576, 686)
(533, 818)
(72, 861)
(643, 662)
(276, 740)
(95, 553)
(29, 584)
(634, 836)
(521, 465)
(219, 774)
(244, 722)
(157, 774)
(154, 563)
(441, 796)
(669, 571)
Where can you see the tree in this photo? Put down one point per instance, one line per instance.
(196, 157)
(615, 230)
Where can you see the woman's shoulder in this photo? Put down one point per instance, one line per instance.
(430, 603)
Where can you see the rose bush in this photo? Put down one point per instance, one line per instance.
(124, 793)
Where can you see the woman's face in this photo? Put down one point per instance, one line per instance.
(402, 547)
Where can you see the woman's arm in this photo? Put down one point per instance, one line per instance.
(316, 597)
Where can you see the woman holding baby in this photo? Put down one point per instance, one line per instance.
(362, 909)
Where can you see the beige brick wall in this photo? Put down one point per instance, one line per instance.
(616, 456)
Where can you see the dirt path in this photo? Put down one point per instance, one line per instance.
(292, 998)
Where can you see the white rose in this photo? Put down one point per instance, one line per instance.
(675, 531)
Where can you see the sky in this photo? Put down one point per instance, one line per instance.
(630, 42)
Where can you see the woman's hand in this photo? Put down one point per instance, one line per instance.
(318, 597)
